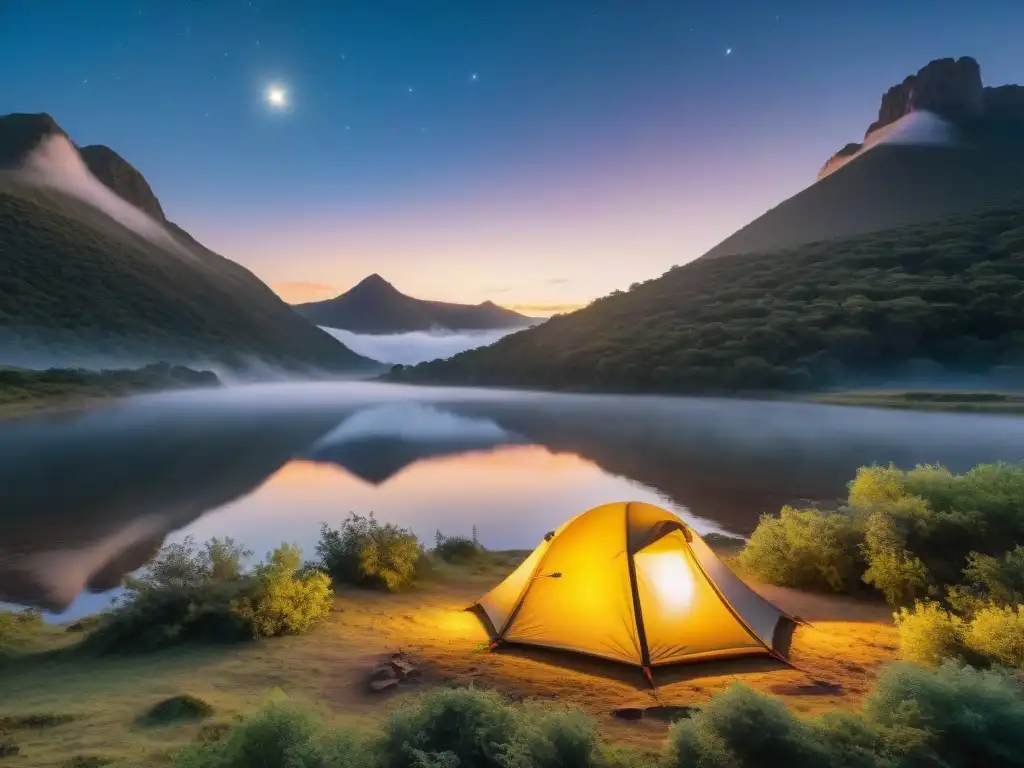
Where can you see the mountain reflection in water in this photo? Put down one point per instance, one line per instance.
(87, 498)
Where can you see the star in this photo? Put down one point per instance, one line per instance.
(277, 97)
(410, 89)
(728, 51)
(474, 77)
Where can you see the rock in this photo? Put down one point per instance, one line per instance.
(383, 672)
(1005, 103)
(21, 133)
(950, 88)
(121, 177)
(839, 159)
(404, 667)
(381, 685)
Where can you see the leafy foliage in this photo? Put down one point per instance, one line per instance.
(804, 548)
(281, 734)
(456, 549)
(207, 594)
(286, 601)
(932, 542)
(953, 717)
(367, 553)
(929, 634)
(908, 304)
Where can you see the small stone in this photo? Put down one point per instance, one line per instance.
(404, 667)
(381, 685)
(383, 672)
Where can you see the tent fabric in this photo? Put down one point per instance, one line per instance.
(630, 582)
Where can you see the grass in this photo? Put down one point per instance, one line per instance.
(924, 400)
(106, 696)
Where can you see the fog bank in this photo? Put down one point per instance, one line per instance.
(416, 346)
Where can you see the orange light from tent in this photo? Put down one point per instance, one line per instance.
(670, 576)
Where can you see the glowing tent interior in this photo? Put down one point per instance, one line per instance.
(632, 583)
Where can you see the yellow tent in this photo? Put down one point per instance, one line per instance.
(633, 583)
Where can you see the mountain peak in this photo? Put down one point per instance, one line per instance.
(949, 89)
(122, 178)
(374, 285)
(20, 133)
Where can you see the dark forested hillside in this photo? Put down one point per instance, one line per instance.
(927, 299)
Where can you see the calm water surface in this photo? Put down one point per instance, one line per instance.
(86, 498)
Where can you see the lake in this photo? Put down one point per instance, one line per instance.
(87, 497)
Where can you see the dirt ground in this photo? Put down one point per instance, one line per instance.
(836, 659)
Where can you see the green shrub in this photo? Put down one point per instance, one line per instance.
(463, 727)
(989, 581)
(367, 553)
(997, 634)
(286, 600)
(281, 734)
(740, 728)
(955, 717)
(892, 570)
(476, 728)
(191, 594)
(923, 533)
(804, 548)
(176, 709)
(184, 565)
(456, 549)
(151, 619)
(929, 633)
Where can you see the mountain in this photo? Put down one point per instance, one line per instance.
(923, 302)
(941, 145)
(92, 272)
(376, 306)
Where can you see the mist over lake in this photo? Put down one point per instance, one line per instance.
(91, 496)
(416, 346)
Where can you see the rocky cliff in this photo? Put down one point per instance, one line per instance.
(120, 176)
(949, 88)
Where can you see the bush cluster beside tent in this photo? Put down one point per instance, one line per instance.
(207, 594)
(956, 717)
(938, 546)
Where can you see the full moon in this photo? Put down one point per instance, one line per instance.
(277, 97)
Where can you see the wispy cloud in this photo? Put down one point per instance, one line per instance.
(558, 281)
(546, 309)
(296, 292)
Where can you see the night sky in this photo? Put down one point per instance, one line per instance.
(538, 153)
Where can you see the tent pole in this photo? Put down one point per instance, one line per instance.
(645, 654)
